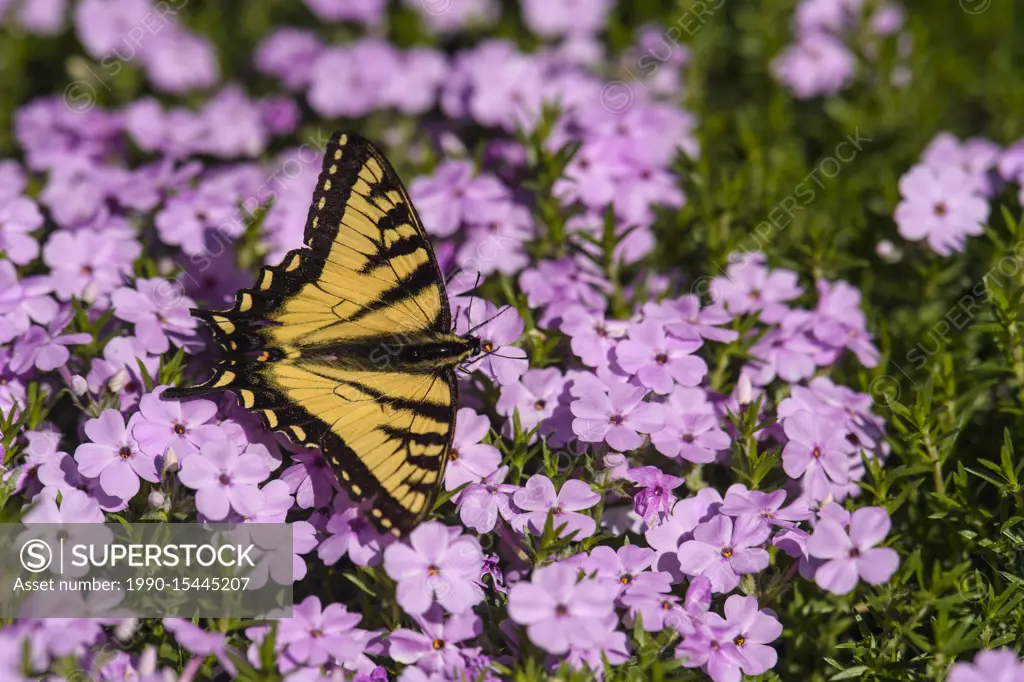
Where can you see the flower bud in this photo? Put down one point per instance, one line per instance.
(744, 390)
(118, 381)
(171, 461)
(156, 499)
(79, 386)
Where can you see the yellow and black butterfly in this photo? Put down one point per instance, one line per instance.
(347, 344)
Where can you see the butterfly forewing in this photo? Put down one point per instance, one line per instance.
(367, 275)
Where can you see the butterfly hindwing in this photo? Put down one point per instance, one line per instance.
(366, 273)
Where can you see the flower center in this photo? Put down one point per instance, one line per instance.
(556, 510)
(487, 346)
(561, 610)
(453, 455)
(661, 358)
(601, 331)
(688, 438)
(740, 640)
(540, 405)
(854, 553)
(87, 270)
(666, 605)
(316, 633)
(433, 570)
(437, 644)
(755, 294)
(941, 209)
(816, 453)
(625, 578)
(726, 552)
(180, 429)
(125, 452)
(225, 479)
(615, 419)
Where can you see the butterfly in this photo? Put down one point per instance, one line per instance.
(347, 344)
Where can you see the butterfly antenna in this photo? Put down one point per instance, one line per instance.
(490, 319)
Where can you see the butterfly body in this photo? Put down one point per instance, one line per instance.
(347, 344)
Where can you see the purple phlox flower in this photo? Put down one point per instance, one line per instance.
(59, 475)
(469, 460)
(556, 285)
(224, 479)
(415, 89)
(594, 175)
(784, 353)
(201, 642)
(627, 568)
(304, 541)
(817, 453)
(23, 301)
(994, 665)
(537, 499)
(75, 507)
(765, 506)
(722, 550)
(277, 502)
(496, 244)
(346, 80)
(480, 504)
(684, 318)
(842, 406)
(655, 499)
(457, 16)
(617, 416)
(828, 16)
(613, 648)
(492, 567)
(12, 179)
(435, 648)
(592, 337)
(316, 634)
(560, 611)
(455, 195)
(438, 565)
(497, 330)
(940, 205)
(185, 426)
(363, 11)
(750, 287)
(817, 65)
(576, 16)
(177, 61)
(854, 555)
(977, 157)
(234, 125)
(352, 534)
(118, 370)
(686, 515)
(102, 26)
(840, 322)
(743, 636)
(187, 218)
(658, 360)
(507, 87)
(310, 479)
(694, 437)
(18, 217)
(288, 54)
(535, 396)
(115, 457)
(46, 348)
(89, 264)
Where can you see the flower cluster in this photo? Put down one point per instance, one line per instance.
(822, 62)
